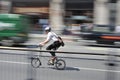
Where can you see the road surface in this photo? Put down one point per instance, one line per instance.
(79, 67)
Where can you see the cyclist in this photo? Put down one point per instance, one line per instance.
(54, 46)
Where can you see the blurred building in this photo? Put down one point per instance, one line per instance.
(75, 11)
(101, 12)
(105, 12)
(78, 11)
(73, 8)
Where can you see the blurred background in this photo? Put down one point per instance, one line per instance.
(86, 26)
(61, 14)
(66, 17)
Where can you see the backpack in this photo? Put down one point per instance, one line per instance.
(61, 41)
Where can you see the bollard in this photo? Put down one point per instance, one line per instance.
(31, 72)
(111, 65)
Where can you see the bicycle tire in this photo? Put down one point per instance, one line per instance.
(60, 64)
(35, 62)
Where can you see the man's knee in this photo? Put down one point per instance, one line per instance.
(48, 48)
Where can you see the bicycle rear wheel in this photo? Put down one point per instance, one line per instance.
(60, 64)
(35, 62)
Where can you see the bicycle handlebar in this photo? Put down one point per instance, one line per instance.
(40, 46)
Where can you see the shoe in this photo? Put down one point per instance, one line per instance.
(51, 62)
(40, 63)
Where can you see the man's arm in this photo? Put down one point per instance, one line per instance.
(44, 42)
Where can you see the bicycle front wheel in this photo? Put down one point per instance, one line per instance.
(35, 62)
(60, 64)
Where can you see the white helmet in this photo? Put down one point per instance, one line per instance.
(47, 28)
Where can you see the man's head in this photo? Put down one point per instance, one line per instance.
(47, 29)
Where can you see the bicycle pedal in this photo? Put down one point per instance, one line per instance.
(40, 63)
(50, 63)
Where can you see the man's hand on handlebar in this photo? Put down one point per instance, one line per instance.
(41, 45)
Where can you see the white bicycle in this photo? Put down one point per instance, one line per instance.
(59, 63)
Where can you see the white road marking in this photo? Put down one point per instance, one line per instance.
(93, 69)
(13, 62)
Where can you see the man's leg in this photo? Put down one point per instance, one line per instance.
(53, 46)
(50, 47)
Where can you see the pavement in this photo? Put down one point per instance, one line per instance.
(64, 37)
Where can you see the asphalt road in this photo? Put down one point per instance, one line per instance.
(78, 67)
